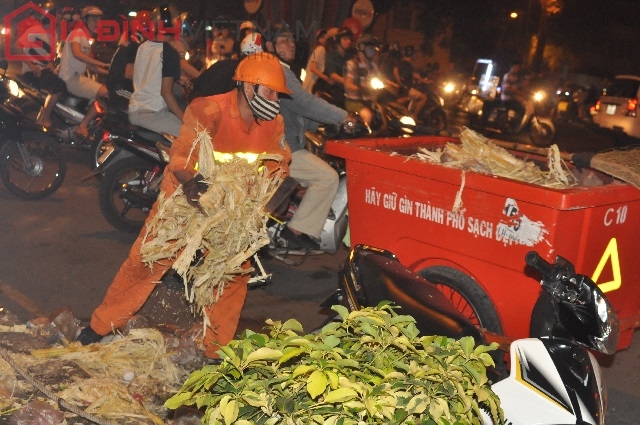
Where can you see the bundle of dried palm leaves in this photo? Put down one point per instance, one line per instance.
(227, 229)
(477, 153)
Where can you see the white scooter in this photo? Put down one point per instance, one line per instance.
(554, 378)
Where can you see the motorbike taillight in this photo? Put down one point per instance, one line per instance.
(632, 107)
(106, 136)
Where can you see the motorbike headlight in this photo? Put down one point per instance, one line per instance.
(186, 56)
(608, 325)
(14, 89)
(408, 123)
(408, 120)
(376, 83)
(449, 87)
(539, 96)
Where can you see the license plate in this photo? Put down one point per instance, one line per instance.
(562, 106)
(611, 109)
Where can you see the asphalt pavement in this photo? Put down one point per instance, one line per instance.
(60, 252)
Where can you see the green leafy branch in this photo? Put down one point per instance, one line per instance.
(371, 367)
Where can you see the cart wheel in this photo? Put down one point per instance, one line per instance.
(471, 300)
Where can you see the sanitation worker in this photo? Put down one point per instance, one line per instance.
(245, 119)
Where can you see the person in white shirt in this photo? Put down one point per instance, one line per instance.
(76, 58)
(153, 104)
(316, 62)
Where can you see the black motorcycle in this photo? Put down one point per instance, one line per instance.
(131, 165)
(32, 165)
(69, 111)
(502, 117)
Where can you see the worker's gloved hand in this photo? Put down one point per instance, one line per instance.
(193, 189)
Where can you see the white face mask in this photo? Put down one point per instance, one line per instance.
(264, 109)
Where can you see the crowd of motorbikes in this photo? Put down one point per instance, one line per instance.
(571, 317)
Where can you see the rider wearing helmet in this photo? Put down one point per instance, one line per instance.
(314, 71)
(245, 28)
(153, 104)
(119, 80)
(39, 69)
(218, 78)
(76, 59)
(222, 45)
(304, 111)
(360, 69)
(243, 120)
(336, 62)
(188, 72)
(405, 76)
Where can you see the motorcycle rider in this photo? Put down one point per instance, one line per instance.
(76, 58)
(153, 104)
(39, 72)
(512, 95)
(337, 57)
(317, 61)
(218, 78)
(183, 86)
(404, 74)
(119, 80)
(243, 120)
(303, 111)
(360, 69)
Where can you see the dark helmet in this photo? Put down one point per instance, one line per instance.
(49, 8)
(162, 16)
(409, 51)
(278, 30)
(343, 33)
(367, 40)
(222, 23)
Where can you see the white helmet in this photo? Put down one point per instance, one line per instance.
(91, 11)
(252, 43)
(247, 25)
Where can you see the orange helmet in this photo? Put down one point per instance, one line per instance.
(262, 68)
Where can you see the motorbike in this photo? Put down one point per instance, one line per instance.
(553, 378)
(432, 115)
(498, 116)
(67, 115)
(32, 165)
(480, 87)
(572, 106)
(131, 165)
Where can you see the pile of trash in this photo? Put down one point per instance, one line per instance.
(125, 379)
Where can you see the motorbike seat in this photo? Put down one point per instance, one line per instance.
(117, 121)
(384, 278)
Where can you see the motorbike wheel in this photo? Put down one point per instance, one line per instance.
(34, 168)
(125, 198)
(471, 300)
(436, 121)
(541, 134)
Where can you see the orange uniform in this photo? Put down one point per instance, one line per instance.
(134, 282)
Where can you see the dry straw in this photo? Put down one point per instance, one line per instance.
(210, 244)
(477, 153)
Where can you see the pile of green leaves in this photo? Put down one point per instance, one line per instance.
(370, 368)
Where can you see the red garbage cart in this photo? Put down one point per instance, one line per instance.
(476, 254)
